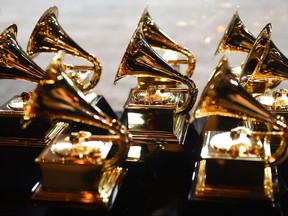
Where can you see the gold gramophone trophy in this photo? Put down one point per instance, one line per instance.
(80, 167)
(169, 50)
(236, 164)
(238, 39)
(18, 146)
(16, 64)
(48, 36)
(266, 61)
(156, 112)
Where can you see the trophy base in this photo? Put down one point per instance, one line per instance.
(102, 198)
(158, 138)
(156, 122)
(212, 182)
(171, 135)
(36, 135)
(220, 177)
(20, 147)
(236, 200)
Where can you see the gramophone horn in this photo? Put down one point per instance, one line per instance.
(237, 38)
(224, 96)
(57, 98)
(264, 60)
(14, 62)
(49, 36)
(158, 39)
(141, 60)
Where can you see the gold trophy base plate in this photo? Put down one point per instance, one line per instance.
(81, 199)
(265, 192)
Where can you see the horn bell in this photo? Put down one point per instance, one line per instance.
(141, 60)
(49, 36)
(265, 60)
(224, 96)
(14, 61)
(160, 40)
(56, 97)
(237, 37)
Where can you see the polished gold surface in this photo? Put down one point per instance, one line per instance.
(262, 85)
(236, 38)
(158, 39)
(156, 95)
(168, 50)
(160, 93)
(244, 143)
(84, 158)
(208, 184)
(101, 198)
(49, 36)
(275, 101)
(240, 152)
(14, 62)
(261, 186)
(224, 96)
(146, 110)
(141, 60)
(56, 97)
(264, 60)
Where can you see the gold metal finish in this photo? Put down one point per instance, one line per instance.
(228, 158)
(275, 101)
(158, 39)
(237, 37)
(243, 142)
(146, 110)
(244, 178)
(49, 36)
(224, 96)
(104, 199)
(265, 60)
(160, 93)
(56, 97)
(141, 60)
(17, 65)
(14, 62)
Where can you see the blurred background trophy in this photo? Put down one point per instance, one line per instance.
(157, 111)
(266, 61)
(237, 163)
(238, 39)
(16, 64)
(24, 145)
(78, 167)
(263, 69)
